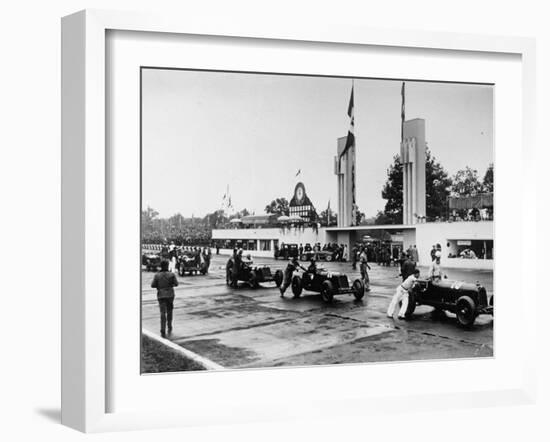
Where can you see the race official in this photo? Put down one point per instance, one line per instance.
(292, 266)
(363, 267)
(435, 273)
(402, 294)
(165, 281)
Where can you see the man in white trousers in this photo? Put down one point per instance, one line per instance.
(402, 294)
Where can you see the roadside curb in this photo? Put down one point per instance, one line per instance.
(207, 364)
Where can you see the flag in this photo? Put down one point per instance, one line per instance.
(350, 141)
(402, 108)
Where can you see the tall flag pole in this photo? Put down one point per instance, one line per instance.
(402, 108)
(350, 141)
(328, 213)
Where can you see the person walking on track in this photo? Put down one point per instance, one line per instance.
(165, 281)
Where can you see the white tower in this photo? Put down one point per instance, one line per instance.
(344, 169)
(413, 159)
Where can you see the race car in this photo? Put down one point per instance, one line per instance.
(328, 284)
(466, 300)
(253, 275)
(191, 263)
(150, 260)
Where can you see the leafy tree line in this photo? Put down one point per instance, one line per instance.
(439, 186)
(182, 230)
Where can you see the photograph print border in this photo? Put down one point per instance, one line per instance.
(84, 385)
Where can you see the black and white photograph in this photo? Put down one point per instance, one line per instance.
(294, 220)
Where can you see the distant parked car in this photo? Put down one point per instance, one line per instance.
(287, 251)
(466, 300)
(150, 260)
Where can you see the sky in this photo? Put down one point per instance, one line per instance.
(205, 131)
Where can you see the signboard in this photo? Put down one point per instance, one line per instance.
(464, 242)
(300, 205)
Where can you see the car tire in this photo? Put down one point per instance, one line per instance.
(296, 285)
(253, 280)
(327, 291)
(358, 288)
(465, 311)
(278, 278)
(228, 276)
(303, 257)
(328, 258)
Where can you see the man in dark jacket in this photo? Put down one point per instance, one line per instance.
(237, 264)
(165, 281)
(407, 267)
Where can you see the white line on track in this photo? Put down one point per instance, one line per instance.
(206, 363)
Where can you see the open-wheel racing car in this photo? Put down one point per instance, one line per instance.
(190, 262)
(466, 300)
(253, 275)
(328, 284)
(150, 260)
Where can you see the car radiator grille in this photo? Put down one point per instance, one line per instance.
(343, 281)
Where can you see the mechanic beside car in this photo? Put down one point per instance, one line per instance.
(402, 294)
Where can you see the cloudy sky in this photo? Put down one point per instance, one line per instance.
(204, 131)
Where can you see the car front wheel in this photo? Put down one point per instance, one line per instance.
(327, 291)
(465, 311)
(278, 278)
(297, 286)
(358, 289)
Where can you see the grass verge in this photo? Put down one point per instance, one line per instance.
(158, 358)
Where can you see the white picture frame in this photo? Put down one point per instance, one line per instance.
(85, 312)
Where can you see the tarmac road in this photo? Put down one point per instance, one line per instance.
(244, 327)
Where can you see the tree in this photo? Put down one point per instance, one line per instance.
(438, 184)
(381, 219)
(216, 219)
(437, 191)
(148, 220)
(359, 217)
(392, 192)
(332, 218)
(466, 182)
(242, 213)
(488, 179)
(278, 206)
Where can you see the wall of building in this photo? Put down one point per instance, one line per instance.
(429, 234)
(422, 235)
(293, 235)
